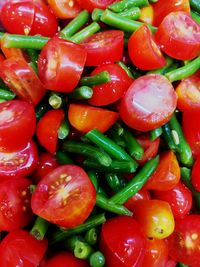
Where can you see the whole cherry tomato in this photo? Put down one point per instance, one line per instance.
(91, 4)
(140, 195)
(195, 176)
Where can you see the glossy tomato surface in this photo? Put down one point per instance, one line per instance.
(91, 4)
(140, 195)
(195, 176)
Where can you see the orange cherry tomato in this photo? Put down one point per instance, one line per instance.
(147, 14)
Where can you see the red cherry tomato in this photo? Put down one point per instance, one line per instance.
(20, 248)
(195, 176)
(19, 163)
(112, 91)
(145, 55)
(47, 129)
(179, 198)
(171, 263)
(191, 129)
(65, 196)
(91, 4)
(141, 195)
(104, 47)
(143, 115)
(156, 254)
(175, 39)
(167, 174)
(21, 79)
(17, 124)
(85, 118)
(122, 242)
(15, 204)
(185, 240)
(60, 64)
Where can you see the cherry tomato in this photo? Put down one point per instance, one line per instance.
(85, 118)
(141, 195)
(155, 217)
(21, 79)
(63, 259)
(47, 129)
(91, 4)
(2, 58)
(185, 240)
(65, 196)
(156, 254)
(171, 263)
(60, 64)
(162, 8)
(122, 242)
(175, 39)
(167, 174)
(112, 91)
(104, 47)
(145, 55)
(191, 129)
(19, 163)
(147, 14)
(144, 115)
(195, 176)
(20, 248)
(17, 124)
(64, 9)
(188, 93)
(179, 198)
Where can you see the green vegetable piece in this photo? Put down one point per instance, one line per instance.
(97, 259)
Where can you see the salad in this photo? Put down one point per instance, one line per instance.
(99, 133)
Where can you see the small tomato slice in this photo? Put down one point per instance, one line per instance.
(195, 176)
(104, 47)
(174, 37)
(61, 64)
(85, 118)
(145, 55)
(91, 4)
(143, 115)
(65, 196)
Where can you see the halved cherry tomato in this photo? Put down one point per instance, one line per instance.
(167, 174)
(155, 217)
(15, 204)
(195, 176)
(145, 55)
(65, 196)
(91, 4)
(174, 37)
(171, 263)
(122, 241)
(2, 58)
(20, 248)
(85, 118)
(143, 115)
(112, 91)
(47, 129)
(179, 198)
(22, 80)
(184, 242)
(141, 195)
(18, 163)
(17, 124)
(61, 64)
(64, 9)
(104, 47)
(147, 14)
(188, 93)
(162, 8)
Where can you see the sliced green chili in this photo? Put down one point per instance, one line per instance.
(99, 78)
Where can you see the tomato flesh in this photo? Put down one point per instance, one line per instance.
(195, 177)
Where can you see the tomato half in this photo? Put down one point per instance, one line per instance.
(195, 176)
(143, 115)
(122, 241)
(140, 195)
(17, 124)
(147, 14)
(175, 39)
(145, 55)
(91, 4)
(104, 47)
(65, 196)
(112, 91)
(22, 80)
(61, 64)
(85, 118)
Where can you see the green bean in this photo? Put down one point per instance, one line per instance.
(113, 135)
(6, 95)
(91, 236)
(71, 241)
(99, 78)
(155, 133)
(93, 177)
(182, 265)
(33, 55)
(80, 93)
(163, 70)
(131, 13)
(40, 228)
(97, 259)
(168, 137)
(82, 250)
(85, 33)
(55, 100)
(96, 14)
(195, 16)
(64, 129)
(63, 158)
(40, 110)
(125, 68)
(113, 181)
(195, 5)
(126, 4)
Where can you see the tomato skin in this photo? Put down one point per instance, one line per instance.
(61, 64)
(195, 177)
(91, 4)
(185, 240)
(171, 263)
(85, 118)
(64, 187)
(147, 14)
(167, 174)
(144, 115)
(21, 248)
(112, 91)
(179, 198)
(140, 195)
(145, 55)
(47, 129)
(17, 125)
(104, 47)
(175, 39)
(122, 242)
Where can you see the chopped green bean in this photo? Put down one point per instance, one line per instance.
(6, 95)
(40, 228)
(80, 93)
(91, 236)
(125, 68)
(99, 78)
(82, 250)
(93, 177)
(63, 158)
(155, 133)
(127, 4)
(85, 33)
(97, 259)
(64, 129)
